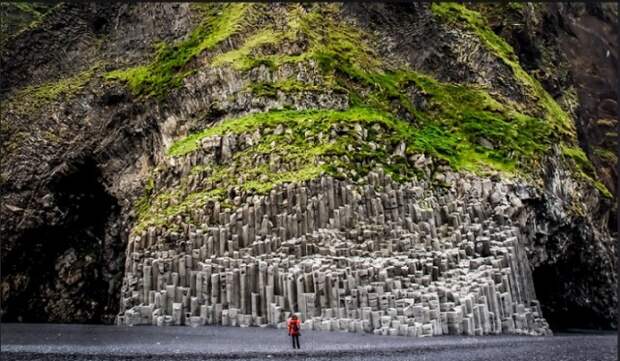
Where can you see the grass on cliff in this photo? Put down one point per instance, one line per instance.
(311, 142)
(584, 167)
(37, 96)
(349, 64)
(453, 130)
(325, 39)
(473, 21)
(458, 124)
(156, 209)
(462, 125)
(18, 17)
(559, 121)
(169, 66)
(606, 155)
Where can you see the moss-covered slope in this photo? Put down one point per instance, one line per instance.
(392, 114)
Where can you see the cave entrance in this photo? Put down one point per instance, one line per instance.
(557, 288)
(67, 264)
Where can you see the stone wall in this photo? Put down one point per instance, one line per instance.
(372, 256)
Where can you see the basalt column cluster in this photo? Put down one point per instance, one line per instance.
(378, 256)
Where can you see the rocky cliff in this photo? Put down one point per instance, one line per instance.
(453, 158)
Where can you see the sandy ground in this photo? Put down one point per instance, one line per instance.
(96, 342)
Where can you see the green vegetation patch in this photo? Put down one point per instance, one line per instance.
(325, 39)
(242, 58)
(584, 167)
(169, 66)
(473, 21)
(258, 179)
(315, 119)
(462, 125)
(465, 127)
(606, 155)
(20, 16)
(31, 98)
(295, 146)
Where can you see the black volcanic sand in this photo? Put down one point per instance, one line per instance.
(95, 342)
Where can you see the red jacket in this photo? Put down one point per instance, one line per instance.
(290, 324)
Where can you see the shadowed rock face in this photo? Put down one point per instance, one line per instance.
(75, 163)
(78, 247)
(590, 45)
(64, 231)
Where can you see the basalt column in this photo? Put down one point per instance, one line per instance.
(386, 258)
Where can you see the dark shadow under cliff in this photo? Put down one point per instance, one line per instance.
(64, 275)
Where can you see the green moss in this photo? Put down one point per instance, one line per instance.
(156, 210)
(170, 64)
(460, 125)
(289, 118)
(451, 131)
(473, 21)
(606, 155)
(602, 189)
(242, 58)
(579, 157)
(604, 122)
(584, 167)
(20, 16)
(459, 116)
(254, 182)
(330, 41)
(32, 98)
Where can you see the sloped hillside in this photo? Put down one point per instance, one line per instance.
(129, 129)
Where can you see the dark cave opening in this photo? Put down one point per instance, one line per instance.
(68, 261)
(563, 304)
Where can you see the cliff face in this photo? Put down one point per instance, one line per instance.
(570, 49)
(121, 122)
(67, 140)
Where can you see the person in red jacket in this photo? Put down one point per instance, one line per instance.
(294, 328)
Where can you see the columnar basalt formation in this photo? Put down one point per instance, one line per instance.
(377, 256)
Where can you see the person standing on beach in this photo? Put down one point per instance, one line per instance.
(294, 327)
